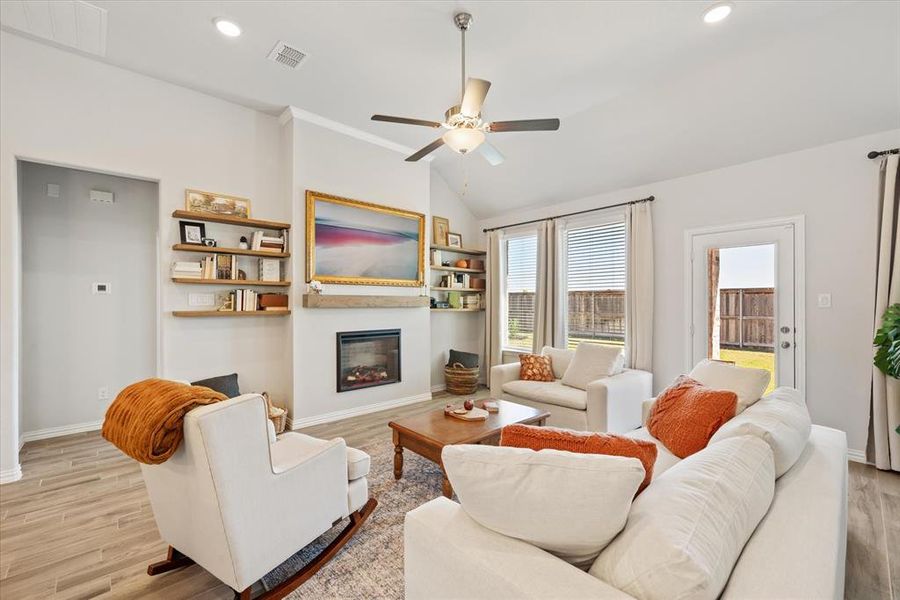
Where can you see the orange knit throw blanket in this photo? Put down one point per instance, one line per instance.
(145, 420)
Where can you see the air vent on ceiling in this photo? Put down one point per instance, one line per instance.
(286, 55)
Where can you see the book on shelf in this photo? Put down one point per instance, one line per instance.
(243, 300)
(269, 269)
(436, 258)
(186, 270)
(261, 242)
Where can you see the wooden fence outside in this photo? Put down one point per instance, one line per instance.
(746, 315)
(747, 318)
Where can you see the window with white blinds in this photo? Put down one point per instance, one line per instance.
(595, 284)
(521, 282)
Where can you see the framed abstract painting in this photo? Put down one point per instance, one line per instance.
(354, 242)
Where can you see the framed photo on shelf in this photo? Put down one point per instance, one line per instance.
(192, 232)
(440, 227)
(354, 242)
(454, 240)
(217, 204)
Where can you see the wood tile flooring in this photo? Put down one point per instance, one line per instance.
(79, 525)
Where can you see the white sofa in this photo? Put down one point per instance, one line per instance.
(608, 404)
(797, 551)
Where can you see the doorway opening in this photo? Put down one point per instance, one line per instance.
(741, 311)
(89, 314)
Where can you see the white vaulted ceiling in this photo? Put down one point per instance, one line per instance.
(645, 90)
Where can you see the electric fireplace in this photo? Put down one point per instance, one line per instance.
(367, 358)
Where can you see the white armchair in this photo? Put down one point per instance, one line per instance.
(610, 404)
(215, 498)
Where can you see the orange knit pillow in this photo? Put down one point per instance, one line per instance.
(688, 413)
(534, 367)
(583, 442)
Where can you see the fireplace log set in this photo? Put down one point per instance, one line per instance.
(365, 374)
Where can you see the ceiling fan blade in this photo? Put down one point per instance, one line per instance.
(426, 150)
(527, 125)
(405, 121)
(491, 154)
(473, 98)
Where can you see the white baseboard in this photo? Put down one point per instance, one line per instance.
(337, 415)
(52, 432)
(10, 475)
(438, 388)
(857, 456)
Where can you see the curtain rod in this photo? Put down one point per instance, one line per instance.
(877, 153)
(571, 214)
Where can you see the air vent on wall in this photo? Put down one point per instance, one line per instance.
(286, 55)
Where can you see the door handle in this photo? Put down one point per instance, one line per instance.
(785, 345)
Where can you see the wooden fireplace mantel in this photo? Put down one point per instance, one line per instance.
(360, 301)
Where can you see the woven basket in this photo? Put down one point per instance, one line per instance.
(461, 380)
(277, 415)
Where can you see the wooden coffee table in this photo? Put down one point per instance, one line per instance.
(428, 433)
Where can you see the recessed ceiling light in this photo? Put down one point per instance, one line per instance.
(227, 28)
(717, 12)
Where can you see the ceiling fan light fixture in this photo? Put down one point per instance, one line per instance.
(463, 139)
(717, 12)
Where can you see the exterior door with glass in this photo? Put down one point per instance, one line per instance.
(743, 294)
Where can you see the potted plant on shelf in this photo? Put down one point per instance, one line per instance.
(887, 343)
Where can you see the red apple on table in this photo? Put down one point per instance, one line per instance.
(468, 404)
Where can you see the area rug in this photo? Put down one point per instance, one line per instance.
(370, 566)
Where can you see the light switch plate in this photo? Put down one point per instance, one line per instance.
(201, 299)
(824, 301)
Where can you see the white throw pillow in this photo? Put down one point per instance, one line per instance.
(780, 419)
(749, 384)
(592, 362)
(559, 359)
(686, 531)
(569, 504)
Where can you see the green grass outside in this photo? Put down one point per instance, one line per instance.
(757, 360)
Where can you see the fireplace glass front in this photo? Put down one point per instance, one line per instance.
(367, 358)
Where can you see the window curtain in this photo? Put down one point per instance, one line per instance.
(885, 413)
(549, 317)
(639, 287)
(493, 294)
(713, 323)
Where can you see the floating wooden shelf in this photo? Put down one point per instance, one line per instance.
(236, 282)
(230, 313)
(455, 269)
(471, 251)
(217, 250)
(446, 289)
(229, 220)
(457, 310)
(344, 301)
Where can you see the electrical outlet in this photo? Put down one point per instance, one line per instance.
(103, 393)
(53, 190)
(824, 301)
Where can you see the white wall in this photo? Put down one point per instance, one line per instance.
(834, 186)
(454, 331)
(72, 339)
(56, 107)
(332, 162)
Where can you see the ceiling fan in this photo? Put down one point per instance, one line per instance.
(465, 129)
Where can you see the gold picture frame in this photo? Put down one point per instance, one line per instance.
(353, 242)
(440, 227)
(218, 204)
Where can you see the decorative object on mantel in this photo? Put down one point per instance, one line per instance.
(314, 287)
(354, 242)
(217, 204)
